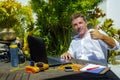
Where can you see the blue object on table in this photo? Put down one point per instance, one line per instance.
(97, 70)
(32, 63)
(14, 54)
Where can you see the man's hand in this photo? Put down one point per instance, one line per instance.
(95, 34)
(66, 56)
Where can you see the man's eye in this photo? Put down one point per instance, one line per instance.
(75, 25)
(80, 22)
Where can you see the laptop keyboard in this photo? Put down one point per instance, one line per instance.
(55, 61)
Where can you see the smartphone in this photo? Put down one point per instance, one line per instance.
(68, 69)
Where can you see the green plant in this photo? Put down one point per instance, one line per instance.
(53, 21)
(118, 33)
(16, 16)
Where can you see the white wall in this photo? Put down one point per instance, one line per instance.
(113, 11)
(103, 7)
(111, 8)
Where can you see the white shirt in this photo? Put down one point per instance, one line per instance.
(89, 49)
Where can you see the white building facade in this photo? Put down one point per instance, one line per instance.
(111, 9)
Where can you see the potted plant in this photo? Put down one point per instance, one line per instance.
(14, 18)
(7, 34)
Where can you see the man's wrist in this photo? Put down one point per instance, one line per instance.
(102, 36)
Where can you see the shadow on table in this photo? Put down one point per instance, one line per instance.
(109, 75)
(88, 76)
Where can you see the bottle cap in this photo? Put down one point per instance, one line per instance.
(32, 63)
(13, 46)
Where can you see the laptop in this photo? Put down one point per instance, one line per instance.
(37, 49)
(56, 61)
(38, 52)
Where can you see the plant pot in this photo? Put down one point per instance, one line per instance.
(7, 34)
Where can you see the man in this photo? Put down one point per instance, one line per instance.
(91, 45)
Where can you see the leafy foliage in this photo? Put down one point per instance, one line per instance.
(16, 16)
(53, 21)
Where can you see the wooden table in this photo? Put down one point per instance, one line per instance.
(51, 74)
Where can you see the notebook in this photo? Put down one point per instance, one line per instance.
(94, 68)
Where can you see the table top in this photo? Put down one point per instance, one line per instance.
(51, 74)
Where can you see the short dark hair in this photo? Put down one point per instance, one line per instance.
(76, 15)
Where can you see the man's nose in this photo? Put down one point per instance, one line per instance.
(79, 26)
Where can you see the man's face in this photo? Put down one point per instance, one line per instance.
(79, 25)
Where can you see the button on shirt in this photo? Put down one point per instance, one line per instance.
(89, 49)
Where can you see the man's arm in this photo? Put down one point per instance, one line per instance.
(95, 34)
(108, 40)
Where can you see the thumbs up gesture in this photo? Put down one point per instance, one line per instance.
(95, 34)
